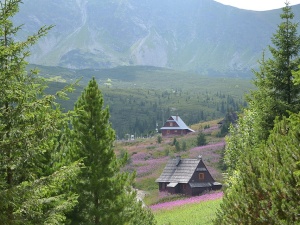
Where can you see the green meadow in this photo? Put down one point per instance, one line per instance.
(202, 213)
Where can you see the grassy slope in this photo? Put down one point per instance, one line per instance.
(148, 158)
(201, 213)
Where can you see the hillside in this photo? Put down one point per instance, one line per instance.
(141, 98)
(148, 157)
(202, 36)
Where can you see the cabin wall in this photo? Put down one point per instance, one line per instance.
(207, 176)
(171, 124)
(174, 190)
(162, 186)
(186, 189)
(174, 132)
(200, 190)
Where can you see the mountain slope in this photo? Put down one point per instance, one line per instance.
(187, 35)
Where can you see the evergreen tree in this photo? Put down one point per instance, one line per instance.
(33, 187)
(106, 195)
(174, 141)
(201, 139)
(177, 146)
(183, 146)
(276, 93)
(159, 139)
(264, 189)
(262, 152)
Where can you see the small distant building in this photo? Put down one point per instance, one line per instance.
(175, 126)
(186, 176)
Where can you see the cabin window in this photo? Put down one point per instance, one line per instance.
(201, 176)
(183, 186)
(168, 131)
(163, 186)
(175, 131)
(171, 124)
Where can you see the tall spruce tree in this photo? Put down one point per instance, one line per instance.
(105, 193)
(276, 94)
(261, 152)
(32, 186)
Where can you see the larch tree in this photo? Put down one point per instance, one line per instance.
(32, 185)
(106, 195)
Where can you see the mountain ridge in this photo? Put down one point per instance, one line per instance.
(199, 36)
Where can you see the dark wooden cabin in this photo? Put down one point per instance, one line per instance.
(186, 176)
(175, 126)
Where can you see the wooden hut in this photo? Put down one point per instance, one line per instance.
(186, 176)
(175, 126)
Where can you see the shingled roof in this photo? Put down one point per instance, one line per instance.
(179, 170)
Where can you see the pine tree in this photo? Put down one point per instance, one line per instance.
(32, 187)
(105, 193)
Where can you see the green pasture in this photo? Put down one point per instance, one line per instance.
(201, 213)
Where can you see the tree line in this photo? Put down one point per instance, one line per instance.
(56, 167)
(137, 111)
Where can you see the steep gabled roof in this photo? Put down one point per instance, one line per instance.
(179, 170)
(179, 122)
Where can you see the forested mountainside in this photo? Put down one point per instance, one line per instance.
(203, 36)
(140, 99)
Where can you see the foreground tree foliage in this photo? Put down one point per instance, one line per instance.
(262, 152)
(105, 193)
(33, 181)
(265, 188)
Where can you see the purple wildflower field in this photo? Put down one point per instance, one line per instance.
(201, 198)
(145, 164)
(149, 166)
(148, 160)
(210, 156)
(210, 129)
(207, 151)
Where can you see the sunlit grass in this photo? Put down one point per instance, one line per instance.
(192, 214)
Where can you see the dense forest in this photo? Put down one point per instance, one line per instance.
(141, 111)
(141, 98)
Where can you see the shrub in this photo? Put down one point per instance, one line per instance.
(201, 139)
(159, 139)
